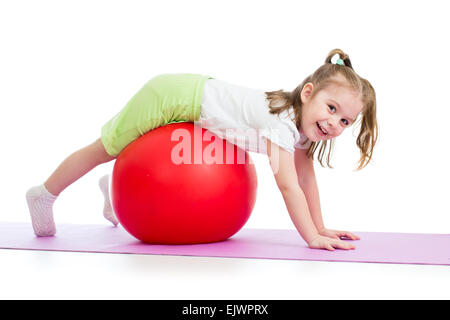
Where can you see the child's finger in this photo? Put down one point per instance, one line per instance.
(349, 235)
(343, 245)
(352, 236)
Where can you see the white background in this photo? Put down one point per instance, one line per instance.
(66, 67)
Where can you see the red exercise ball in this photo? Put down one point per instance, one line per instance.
(181, 184)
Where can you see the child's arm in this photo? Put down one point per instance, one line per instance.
(307, 181)
(283, 167)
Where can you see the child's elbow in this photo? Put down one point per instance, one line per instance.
(288, 187)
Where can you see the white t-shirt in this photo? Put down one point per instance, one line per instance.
(241, 116)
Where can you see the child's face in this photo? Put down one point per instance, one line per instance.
(334, 108)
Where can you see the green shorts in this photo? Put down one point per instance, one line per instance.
(167, 98)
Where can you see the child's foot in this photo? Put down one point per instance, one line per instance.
(108, 211)
(40, 203)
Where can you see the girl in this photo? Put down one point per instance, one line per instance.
(323, 106)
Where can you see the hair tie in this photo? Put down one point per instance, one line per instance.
(340, 62)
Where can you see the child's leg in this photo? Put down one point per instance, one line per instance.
(40, 198)
(108, 211)
(77, 165)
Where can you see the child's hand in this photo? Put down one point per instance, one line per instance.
(322, 242)
(336, 234)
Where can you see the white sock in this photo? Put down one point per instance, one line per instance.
(40, 203)
(108, 211)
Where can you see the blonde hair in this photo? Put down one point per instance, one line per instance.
(321, 79)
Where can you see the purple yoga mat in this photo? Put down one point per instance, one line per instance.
(379, 247)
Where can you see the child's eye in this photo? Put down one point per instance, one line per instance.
(345, 122)
(332, 107)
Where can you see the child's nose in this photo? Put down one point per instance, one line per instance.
(332, 123)
(334, 126)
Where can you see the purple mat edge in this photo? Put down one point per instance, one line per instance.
(248, 243)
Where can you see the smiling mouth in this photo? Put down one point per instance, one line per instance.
(321, 129)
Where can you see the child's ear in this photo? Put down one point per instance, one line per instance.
(306, 92)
